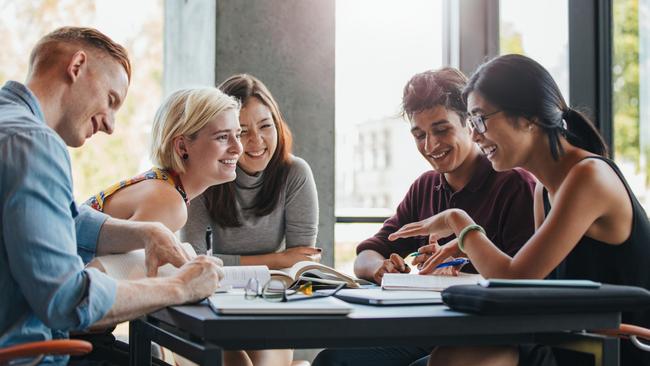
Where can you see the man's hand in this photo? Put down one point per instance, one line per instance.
(426, 251)
(161, 247)
(394, 264)
(200, 277)
(441, 254)
(294, 255)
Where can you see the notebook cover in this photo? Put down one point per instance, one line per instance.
(545, 300)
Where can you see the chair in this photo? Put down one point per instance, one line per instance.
(42, 348)
(632, 332)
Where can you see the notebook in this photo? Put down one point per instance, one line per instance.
(377, 296)
(405, 281)
(234, 303)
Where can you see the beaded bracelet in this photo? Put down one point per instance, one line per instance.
(464, 232)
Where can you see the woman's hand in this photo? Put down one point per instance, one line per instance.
(436, 224)
(443, 253)
(291, 256)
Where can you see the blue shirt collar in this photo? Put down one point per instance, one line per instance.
(21, 94)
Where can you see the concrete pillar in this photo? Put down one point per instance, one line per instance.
(289, 45)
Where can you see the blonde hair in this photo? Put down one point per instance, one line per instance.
(184, 113)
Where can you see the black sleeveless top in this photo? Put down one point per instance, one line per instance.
(624, 264)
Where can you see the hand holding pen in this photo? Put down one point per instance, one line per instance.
(425, 252)
(208, 241)
(394, 264)
(443, 254)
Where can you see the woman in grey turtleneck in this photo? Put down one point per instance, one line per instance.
(269, 214)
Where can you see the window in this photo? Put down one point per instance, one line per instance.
(539, 30)
(630, 85)
(103, 160)
(379, 46)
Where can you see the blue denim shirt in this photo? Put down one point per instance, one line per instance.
(44, 239)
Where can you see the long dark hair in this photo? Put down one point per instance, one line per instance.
(519, 86)
(220, 199)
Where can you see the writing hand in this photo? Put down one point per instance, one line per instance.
(200, 277)
(394, 264)
(443, 254)
(425, 252)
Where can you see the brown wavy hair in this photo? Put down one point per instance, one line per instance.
(220, 199)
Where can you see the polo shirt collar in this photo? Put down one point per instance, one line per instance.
(481, 174)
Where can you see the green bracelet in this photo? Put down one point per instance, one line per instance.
(464, 232)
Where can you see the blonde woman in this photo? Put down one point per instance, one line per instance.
(195, 144)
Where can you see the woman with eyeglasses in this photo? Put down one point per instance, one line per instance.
(269, 214)
(588, 221)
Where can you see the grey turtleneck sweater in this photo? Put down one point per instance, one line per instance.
(293, 222)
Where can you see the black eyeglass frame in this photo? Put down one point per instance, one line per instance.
(477, 122)
(252, 293)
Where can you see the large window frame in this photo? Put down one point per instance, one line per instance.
(471, 36)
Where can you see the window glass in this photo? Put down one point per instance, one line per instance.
(630, 81)
(539, 30)
(138, 26)
(380, 44)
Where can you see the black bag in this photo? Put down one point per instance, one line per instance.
(545, 300)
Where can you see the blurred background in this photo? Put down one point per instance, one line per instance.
(377, 46)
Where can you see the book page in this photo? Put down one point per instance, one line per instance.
(306, 269)
(131, 266)
(404, 281)
(238, 276)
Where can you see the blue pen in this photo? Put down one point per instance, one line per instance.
(414, 254)
(453, 263)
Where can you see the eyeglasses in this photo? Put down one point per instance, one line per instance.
(477, 122)
(276, 291)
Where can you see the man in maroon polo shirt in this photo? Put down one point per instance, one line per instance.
(462, 177)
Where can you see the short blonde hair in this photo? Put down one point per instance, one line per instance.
(48, 46)
(184, 113)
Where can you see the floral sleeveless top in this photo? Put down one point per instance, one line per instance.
(97, 201)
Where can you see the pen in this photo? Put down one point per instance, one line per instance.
(208, 241)
(452, 263)
(414, 254)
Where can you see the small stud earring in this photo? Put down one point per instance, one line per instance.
(185, 156)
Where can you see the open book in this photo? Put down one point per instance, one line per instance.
(315, 272)
(405, 281)
(130, 266)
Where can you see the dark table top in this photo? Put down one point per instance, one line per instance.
(370, 326)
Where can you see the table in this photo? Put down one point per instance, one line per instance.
(197, 333)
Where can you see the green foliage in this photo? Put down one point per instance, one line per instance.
(625, 79)
(103, 160)
(510, 40)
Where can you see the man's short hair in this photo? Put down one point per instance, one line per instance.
(435, 88)
(89, 37)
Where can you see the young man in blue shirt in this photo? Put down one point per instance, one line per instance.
(78, 78)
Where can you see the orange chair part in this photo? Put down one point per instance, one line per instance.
(52, 347)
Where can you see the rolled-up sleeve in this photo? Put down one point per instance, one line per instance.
(40, 234)
(87, 223)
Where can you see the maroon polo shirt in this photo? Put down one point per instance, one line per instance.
(501, 202)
